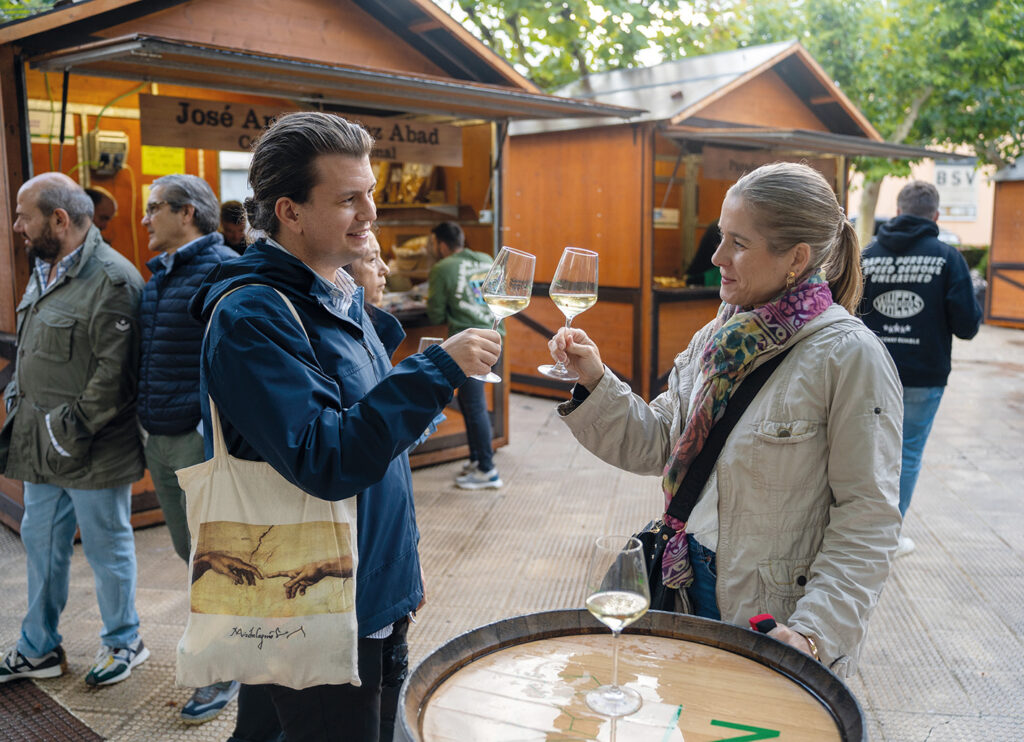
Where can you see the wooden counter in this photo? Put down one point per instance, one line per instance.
(636, 348)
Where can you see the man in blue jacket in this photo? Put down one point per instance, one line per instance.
(181, 217)
(329, 412)
(917, 295)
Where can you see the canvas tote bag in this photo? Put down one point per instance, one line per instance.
(272, 576)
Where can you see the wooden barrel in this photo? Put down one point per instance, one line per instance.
(525, 678)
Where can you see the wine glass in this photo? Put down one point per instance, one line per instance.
(573, 290)
(426, 342)
(617, 595)
(507, 290)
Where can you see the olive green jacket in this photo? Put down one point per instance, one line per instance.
(71, 403)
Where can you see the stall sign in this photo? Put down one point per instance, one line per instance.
(205, 124)
(720, 163)
(957, 183)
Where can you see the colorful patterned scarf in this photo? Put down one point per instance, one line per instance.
(739, 340)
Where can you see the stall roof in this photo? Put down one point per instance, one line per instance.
(1010, 173)
(804, 142)
(148, 58)
(676, 94)
(675, 91)
(420, 23)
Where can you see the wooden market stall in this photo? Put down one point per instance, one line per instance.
(119, 92)
(643, 193)
(1004, 303)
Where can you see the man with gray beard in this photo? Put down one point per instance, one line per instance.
(70, 433)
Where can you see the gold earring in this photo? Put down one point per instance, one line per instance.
(790, 280)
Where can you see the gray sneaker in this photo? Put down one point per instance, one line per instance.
(468, 468)
(209, 701)
(114, 664)
(15, 665)
(479, 480)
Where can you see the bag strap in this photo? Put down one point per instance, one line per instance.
(700, 468)
(220, 448)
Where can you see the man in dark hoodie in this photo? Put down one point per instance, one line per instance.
(917, 295)
(327, 411)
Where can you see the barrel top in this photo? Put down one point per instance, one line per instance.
(527, 677)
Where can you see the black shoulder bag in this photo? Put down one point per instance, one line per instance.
(655, 535)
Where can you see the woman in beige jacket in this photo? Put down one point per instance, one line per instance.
(799, 517)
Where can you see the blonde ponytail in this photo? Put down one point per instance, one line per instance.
(842, 269)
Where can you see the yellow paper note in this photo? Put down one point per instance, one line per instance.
(162, 160)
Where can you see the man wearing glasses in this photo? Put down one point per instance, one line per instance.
(182, 217)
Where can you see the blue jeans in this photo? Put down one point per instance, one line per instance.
(920, 403)
(473, 404)
(48, 532)
(705, 575)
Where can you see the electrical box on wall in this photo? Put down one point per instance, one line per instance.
(106, 151)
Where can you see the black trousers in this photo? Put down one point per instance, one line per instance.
(273, 713)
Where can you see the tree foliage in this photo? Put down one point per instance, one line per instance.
(16, 10)
(924, 72)
(555, 42)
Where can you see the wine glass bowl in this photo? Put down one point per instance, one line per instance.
(617, 595)
(507, 290)
(573, 290)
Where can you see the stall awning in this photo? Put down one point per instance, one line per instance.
(170, 61)
(805, 142)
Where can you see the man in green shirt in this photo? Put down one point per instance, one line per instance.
(455, 299)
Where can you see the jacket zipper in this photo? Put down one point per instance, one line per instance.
(367, 349)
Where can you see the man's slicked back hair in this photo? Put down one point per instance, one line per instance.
(284, 160)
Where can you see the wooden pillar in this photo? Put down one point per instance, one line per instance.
(15, 169)
(688, 228)
(842, 174)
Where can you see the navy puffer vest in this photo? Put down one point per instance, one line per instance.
(171, 338)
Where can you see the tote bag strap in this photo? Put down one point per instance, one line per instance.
(220, 448)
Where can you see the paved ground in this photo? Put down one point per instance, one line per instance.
(944, 658)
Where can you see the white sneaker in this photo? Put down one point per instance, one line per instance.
(478, 480)
(905, 546)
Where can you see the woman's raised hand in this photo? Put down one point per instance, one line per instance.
(575, 348)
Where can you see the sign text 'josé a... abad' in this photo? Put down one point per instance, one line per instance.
(168, 121)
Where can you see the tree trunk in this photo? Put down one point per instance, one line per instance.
(869, 198)
(866, 215)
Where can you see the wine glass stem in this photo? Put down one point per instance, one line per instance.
(560, 366)
(615, 660)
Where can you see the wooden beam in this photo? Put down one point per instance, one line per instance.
(424, 25)
(822, 100)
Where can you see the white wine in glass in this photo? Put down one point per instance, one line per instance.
(617, 595)
(573, 290)
(507, 290)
